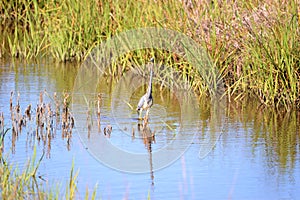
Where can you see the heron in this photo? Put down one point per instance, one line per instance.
(146, 101)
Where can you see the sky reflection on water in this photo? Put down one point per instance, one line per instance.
(256, 157)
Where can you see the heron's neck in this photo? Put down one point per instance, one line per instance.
(149, 90)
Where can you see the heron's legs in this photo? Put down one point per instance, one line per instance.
(147, 112)
(147, 115)
(140, 114)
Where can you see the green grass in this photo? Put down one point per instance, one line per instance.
(254, 44)
(24, 183)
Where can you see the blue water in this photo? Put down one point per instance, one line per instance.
(244, 161)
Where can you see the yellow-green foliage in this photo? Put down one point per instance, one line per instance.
(254, 44)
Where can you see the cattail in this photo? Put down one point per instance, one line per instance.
(107, 130)
(38, 115)
(28, 111)
(18, 103)
(65, 109)
(10, 100)
(66, 98)
(72, 121)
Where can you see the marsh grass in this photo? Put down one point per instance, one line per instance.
(16, 183)
(254, 44)
(68, 30)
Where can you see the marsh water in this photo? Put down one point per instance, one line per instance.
(237, 151)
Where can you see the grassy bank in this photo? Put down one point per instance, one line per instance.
(255, 44)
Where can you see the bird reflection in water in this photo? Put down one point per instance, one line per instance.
(148, 139)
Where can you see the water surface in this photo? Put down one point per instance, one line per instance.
(256, 155)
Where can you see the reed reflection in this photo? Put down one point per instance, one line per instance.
(277, 130)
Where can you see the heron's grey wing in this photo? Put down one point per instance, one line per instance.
(150, 102)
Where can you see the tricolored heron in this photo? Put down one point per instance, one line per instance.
(146, 101)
